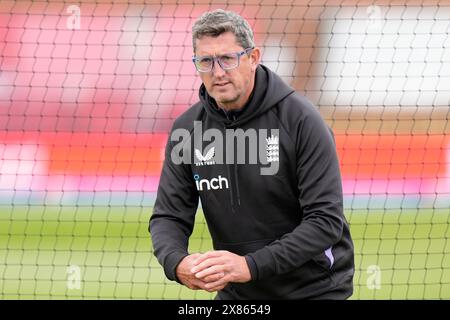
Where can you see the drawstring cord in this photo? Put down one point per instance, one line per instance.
(231, 188)
(237, 184)
(236, 180)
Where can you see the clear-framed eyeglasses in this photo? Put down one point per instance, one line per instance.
(226, 61)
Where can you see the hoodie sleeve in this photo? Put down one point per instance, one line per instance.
(320, 197)
(173, 216)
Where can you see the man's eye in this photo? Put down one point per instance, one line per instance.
(205, 60)
(227, 58)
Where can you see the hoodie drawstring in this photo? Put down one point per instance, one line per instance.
(236, 180)
(231, 188)
(237, 184)
(235, 174)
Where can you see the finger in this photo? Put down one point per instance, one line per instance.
(207, 255)
(217, 285)
(192, 286)
(215, 288)
(207, 264)
(197, 284)
(214, 277)
(195, 255)
(209, 271)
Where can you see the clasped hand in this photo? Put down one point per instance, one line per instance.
(213, 270)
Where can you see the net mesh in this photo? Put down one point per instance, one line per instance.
(89, 91)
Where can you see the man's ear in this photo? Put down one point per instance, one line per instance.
(255, 56)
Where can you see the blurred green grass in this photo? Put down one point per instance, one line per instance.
(112, 248)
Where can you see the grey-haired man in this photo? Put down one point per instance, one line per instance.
(276, 236)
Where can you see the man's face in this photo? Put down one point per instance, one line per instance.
(230, 88)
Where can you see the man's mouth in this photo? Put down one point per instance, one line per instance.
(221, 84)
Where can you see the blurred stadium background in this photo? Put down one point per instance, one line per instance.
(90, 89)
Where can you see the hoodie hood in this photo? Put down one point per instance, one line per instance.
(269, 89)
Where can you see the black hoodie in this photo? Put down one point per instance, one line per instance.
(289, 225)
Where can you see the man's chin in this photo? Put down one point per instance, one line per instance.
(223, 99)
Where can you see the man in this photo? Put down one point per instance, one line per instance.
(279, 232)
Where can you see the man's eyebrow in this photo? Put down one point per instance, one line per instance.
(216, 55)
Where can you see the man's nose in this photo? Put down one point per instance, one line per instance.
(217, 70)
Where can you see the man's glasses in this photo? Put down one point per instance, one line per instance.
(226, 61)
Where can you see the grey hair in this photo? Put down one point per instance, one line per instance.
(214, 23)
